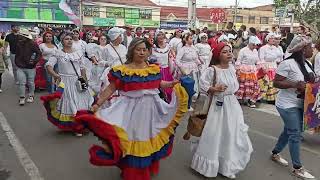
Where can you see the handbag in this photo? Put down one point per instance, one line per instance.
(197, 120)
(81, 83)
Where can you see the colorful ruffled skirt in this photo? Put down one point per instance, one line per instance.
(166, 75)
(136, 131)
(249, 88)
(62, 105)
(268, 91)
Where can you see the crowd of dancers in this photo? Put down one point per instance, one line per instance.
(132, 90)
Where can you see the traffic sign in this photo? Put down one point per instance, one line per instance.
(218, 15)
(280, 12)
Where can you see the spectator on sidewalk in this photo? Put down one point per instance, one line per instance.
(3, 63)
(11, 41)
(27, 56)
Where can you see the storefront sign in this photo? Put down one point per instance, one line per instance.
(115, 12)
(52, 25)
(91, 11)
(104, 21)
(149, 23)
(174, 25)
(135, 22)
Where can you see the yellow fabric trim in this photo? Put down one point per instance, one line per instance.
(57, 115)
(151, 69)
(146, 148)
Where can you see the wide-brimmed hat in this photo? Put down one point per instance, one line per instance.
(25, 33)
(298, 43)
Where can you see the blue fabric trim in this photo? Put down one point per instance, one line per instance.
(139, 162)
(135, 78)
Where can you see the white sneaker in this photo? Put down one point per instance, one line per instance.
(78, 134)
(278, 159)
(0, 90)
(302, 173)
(22, 101)
(190, 109)
(232, 177)
(30, 99)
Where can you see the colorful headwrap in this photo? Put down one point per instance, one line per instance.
(218, 48)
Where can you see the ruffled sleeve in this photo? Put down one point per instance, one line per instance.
(206, 79)
(52, 61)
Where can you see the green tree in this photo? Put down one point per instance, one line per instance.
(307, 12)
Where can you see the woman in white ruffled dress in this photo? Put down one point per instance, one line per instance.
(62, 106)
(224, 146)
(204, 50)
(97, 53)
(188, 61)
(115, 53)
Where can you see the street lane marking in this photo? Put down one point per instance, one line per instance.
(276, 139)
(24, 158)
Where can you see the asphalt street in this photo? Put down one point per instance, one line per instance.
(52, 155)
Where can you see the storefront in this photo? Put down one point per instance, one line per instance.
(119, 15)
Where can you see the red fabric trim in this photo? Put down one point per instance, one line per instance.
(133, 86)
(103, 130)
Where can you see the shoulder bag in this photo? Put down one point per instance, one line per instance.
(197, 120)
(81, 83)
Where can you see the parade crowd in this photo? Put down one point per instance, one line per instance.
(132, 87)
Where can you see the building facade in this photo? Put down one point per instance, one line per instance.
(121, 13)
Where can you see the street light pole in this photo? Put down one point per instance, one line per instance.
(80, 14)
(192, 15)
(235, 13)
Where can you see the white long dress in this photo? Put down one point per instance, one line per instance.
(71, 100)
(113, 60)
(97, 51)
(205, 54)
(224, 146)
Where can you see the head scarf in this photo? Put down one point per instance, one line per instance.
(223, 37)
(270, 35)
(298, 43)
(115, 32)
(254, 40)
(218, 48)
(159, 31)
(201, 35)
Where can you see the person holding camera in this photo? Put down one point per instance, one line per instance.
(291, 77)
(72, 94)
(27, 56)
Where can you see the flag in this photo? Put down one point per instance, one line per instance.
(69, 13)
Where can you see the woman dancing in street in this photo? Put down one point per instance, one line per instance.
(63, 105)
(137, 130)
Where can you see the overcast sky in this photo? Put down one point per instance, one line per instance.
(215, 3)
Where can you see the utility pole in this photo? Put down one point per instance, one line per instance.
(81, 14)
(235, 13)
(192, 13)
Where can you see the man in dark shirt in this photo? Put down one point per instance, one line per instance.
(27, 56)
(11, 41)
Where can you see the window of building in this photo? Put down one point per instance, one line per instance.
(145, 13)
(264, 20)
(252, 20)
(239, 19)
